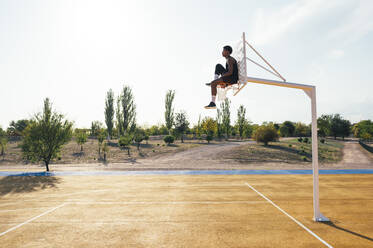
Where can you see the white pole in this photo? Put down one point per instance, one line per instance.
(244, 54)
(315, 161)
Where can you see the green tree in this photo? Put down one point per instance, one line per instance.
(154, 130)
(266, 134)
(3, 145)
(139, 137)
(324, 125)
(363, 129)
(219, 124)
(301, 130)
(169, 139)
(181, 124)
(96, 127)
(248, 130)
(128, 110)
(226, 117)
(105, 150)
(287, 129)
(241, 120)
(169, 112)
(109, 112)
(44, 137)
(125, 141)
(3, 133)
(119, 117)
(209, 127)
(198, 128)
(100, 139)
(81, 139)
(16, 127)
(339, 127)
(345, 129)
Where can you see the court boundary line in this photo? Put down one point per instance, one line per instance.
(187, 172)
(32, 219)
(291, 217)
(162, 202)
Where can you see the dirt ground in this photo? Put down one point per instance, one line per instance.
(213, 156)
(183, 211)
(71, 153)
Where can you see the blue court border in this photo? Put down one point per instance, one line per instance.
(186, 172)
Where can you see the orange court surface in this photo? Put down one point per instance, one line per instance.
(184, 211)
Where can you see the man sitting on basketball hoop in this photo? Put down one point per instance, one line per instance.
(228, 75)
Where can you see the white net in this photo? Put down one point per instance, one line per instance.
(239, 55)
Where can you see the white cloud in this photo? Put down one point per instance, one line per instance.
(355, 25)
(336, 54)
(269, 25)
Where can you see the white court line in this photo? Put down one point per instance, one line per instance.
(34, 218)
(164, 202)
(291, 217)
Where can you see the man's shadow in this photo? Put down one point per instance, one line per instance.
(26, 184)
(331, 224)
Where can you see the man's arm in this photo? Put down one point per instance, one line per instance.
(230, 68)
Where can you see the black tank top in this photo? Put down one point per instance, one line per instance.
(234, 75)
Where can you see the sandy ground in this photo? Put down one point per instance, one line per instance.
(354, 155)
(183, 211)
(208, 157)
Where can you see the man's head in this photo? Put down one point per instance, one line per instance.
(227, 50)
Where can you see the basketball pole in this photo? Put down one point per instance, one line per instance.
(310, 91)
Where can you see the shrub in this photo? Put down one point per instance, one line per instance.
(304, 158)
(105, 149)
(305, 140)
(169, 139)
(290, 145)
(265, 134)
(146, 137)
(322, 141)
(139, 137)
(300, 139)
(209, 138)
(81, 138)
(124, 142)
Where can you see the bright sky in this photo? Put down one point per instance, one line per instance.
(74, 51)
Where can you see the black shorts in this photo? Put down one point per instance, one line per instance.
(229, 80)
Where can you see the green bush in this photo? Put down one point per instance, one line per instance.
(209, 137)
(290, 145)
(305, 140)
(139, 137)
(81, 138)
(265, 134)
(322, 141)
(169, 139)
(125, 141)
(146, 138)
(300, 139)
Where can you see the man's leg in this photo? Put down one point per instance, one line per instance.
(219, 70)
(214, 85)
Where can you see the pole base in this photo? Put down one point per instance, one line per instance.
(321, 218)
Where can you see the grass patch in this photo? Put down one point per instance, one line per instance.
(287, 151)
